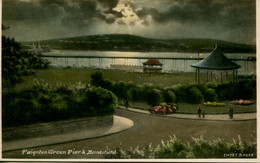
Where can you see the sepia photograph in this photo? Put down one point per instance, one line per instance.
(129, 80)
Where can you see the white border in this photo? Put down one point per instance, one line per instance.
(151, 160)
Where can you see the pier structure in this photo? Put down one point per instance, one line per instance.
(98, 61)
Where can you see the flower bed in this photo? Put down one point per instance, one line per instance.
(213, 104)
(242, 102)
(164, 109)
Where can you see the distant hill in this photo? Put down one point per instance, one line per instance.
(125, 42)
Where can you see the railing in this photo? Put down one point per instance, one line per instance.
(122, 57)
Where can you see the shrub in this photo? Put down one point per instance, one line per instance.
(153, 97)
(191, 93)
(225, 91)
(212, 85)
(197, 148)
(194, 95)
(100, 102)
(44, 103)
(120, 90)
(169, 97)
(218, 148)
(245, 89)
(135, 93)
(210, 95)
(181, 92)
(174, 148)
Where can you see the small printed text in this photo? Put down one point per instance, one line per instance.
(68, 152)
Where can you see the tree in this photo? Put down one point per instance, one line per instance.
(97, 79)
(17, 63)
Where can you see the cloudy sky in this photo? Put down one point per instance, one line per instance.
(229, 20)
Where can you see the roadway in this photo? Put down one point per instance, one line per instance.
(147, 129)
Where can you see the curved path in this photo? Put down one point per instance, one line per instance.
(147, 129)
(214, 117)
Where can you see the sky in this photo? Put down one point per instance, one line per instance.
(228, 20)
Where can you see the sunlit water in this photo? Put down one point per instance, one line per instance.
(169, 65)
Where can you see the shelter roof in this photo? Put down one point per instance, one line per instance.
(216, 61)
(152, 62)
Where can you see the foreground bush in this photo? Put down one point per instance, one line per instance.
(197, 148)
(45, 103)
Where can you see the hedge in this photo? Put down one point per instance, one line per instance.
(44, 103)
(190, 93)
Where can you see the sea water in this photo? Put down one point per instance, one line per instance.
(169, 65)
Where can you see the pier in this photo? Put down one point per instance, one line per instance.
(117, 57)
(169, 63)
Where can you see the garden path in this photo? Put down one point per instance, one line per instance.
(214, 117)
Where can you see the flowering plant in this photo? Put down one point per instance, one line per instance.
(164, 109)
(242, 102)
(213, 103)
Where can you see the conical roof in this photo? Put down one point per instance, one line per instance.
(216, 61)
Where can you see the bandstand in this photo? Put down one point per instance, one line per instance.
(152, 66)
(216, 63)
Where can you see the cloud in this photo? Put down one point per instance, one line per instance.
(231, 20)
(109, 4)
(215, 17)
(229, 13)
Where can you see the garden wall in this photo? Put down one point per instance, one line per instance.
(59, 127)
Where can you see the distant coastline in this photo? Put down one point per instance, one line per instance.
(132, 43)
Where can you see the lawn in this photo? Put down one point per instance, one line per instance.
(53, 76)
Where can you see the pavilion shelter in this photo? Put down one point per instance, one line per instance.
(152, 66)
(216, 61)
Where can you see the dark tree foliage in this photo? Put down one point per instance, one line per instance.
(97, 79)
(17, 63)
(45, 104)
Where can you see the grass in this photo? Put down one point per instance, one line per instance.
(52, 76)
(72, 75)
(192, 108)
(60, 75)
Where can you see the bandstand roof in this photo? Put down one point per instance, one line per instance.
(216, 61)
(152, 62)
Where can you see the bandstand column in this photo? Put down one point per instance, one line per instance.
(198, 75)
